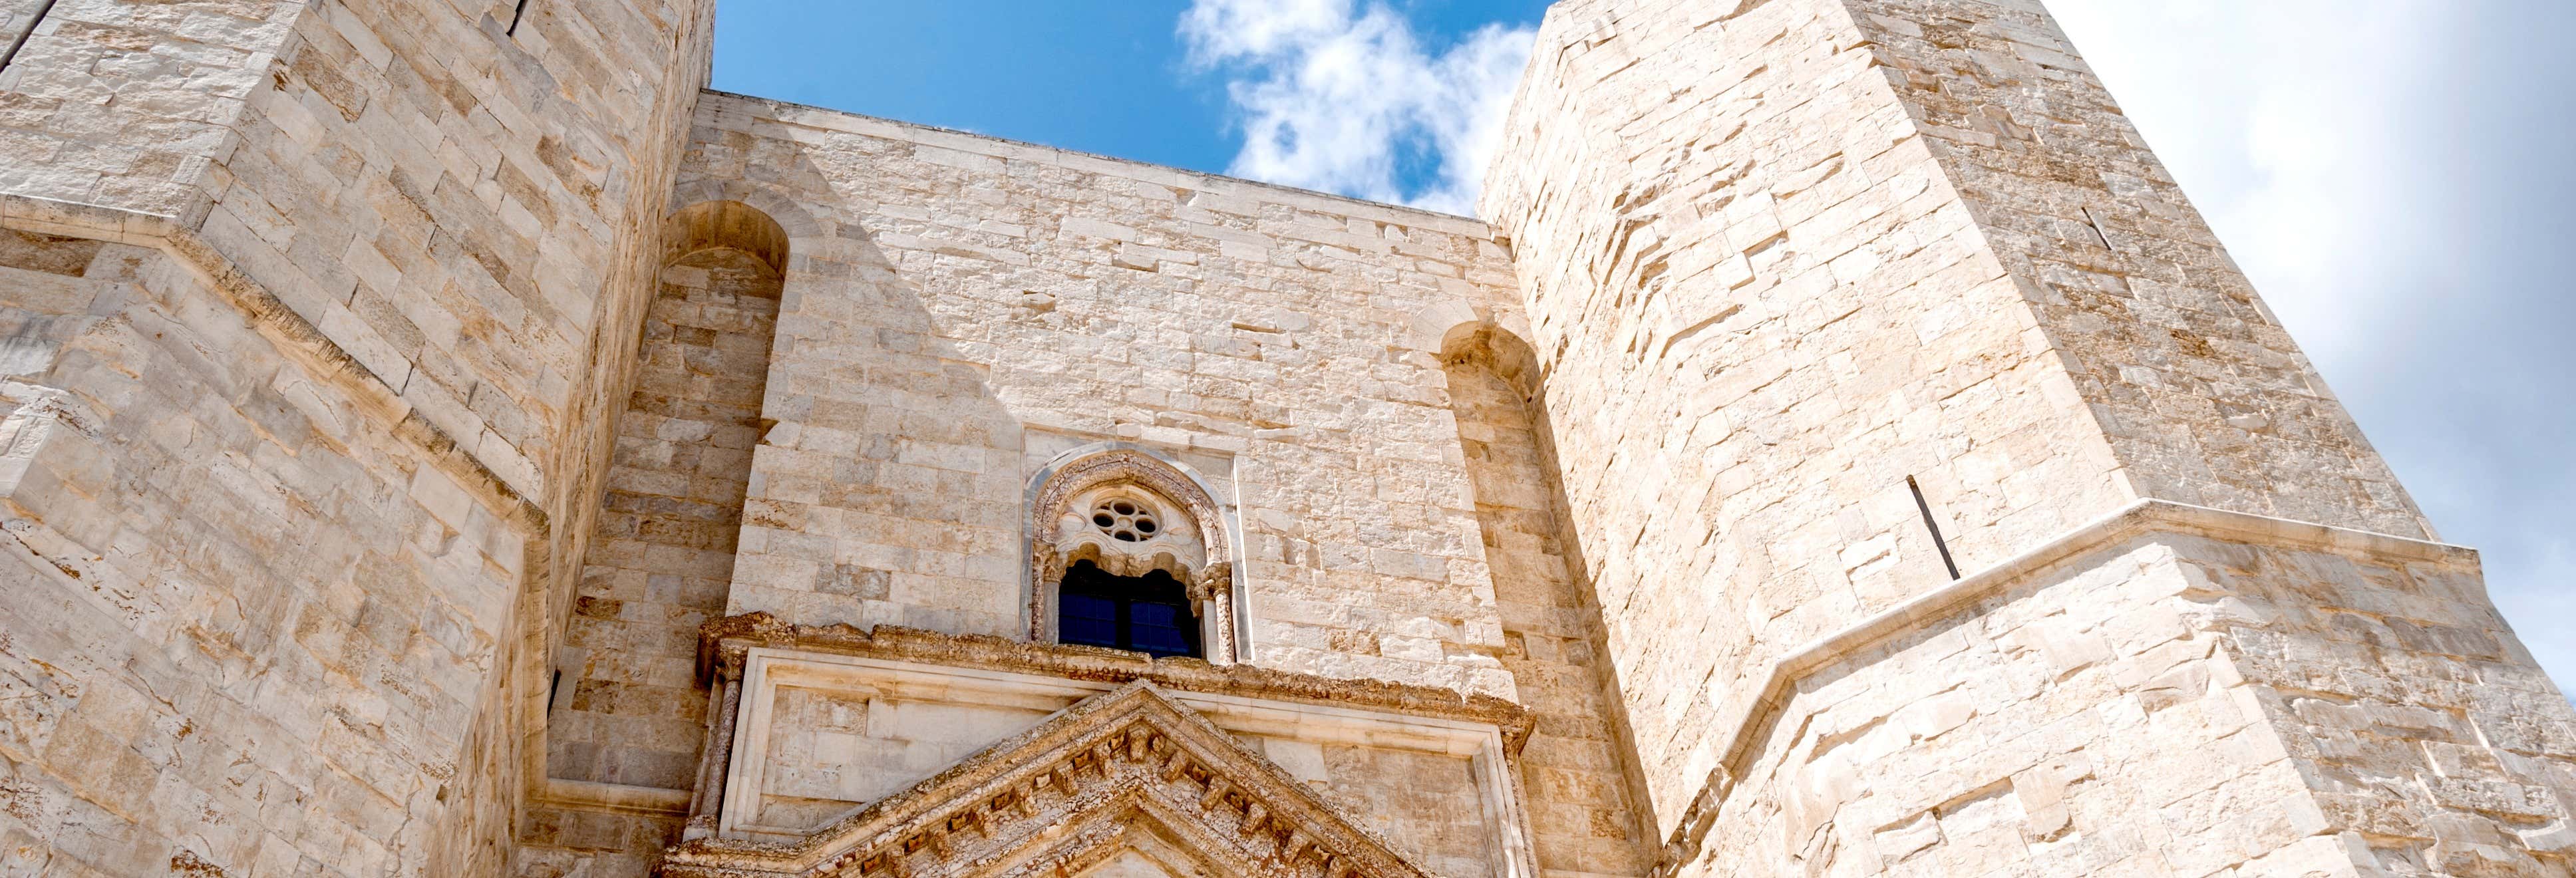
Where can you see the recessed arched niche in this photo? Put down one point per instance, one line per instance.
(670, 516)
(1116, 536)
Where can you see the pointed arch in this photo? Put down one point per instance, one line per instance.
(1191, 539)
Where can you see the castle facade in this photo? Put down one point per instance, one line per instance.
(443, 438)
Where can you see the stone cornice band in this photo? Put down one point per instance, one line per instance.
(723, 643)
(1754, 710)
(294, 335)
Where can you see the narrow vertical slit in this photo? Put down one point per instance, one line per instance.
(515, 16)
(1933, 526)
(20, 41)
(2096, 223)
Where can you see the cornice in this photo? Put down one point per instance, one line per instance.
(1751, 712)
(1061, 794)
(293, 335)
(723, 643)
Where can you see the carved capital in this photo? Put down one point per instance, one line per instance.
(1182, 532)
(720, 645)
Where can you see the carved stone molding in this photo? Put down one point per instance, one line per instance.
(1198, 555)
(723, 643)
(1125, 770)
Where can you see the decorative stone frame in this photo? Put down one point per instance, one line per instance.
(748, 658)
(1191, 542)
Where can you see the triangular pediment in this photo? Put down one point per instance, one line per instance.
(1124, 774)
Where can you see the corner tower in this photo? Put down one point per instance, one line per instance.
(1784, 259)
(317, 320)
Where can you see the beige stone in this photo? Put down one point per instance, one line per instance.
(439, 445)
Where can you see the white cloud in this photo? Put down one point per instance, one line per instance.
(2392, 176)
(1345, 98)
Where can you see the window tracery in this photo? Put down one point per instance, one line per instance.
(1128, 518)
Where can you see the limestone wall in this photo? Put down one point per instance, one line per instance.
(319, 347)
(1575, 768)
(132, 104)
(2078, 724)
(1760, 307)
(2429, 738)
(248, 629)
(2202, 393)
(474, 217)
(2172, 703)
(448, 230)
(1781, 257)
(662, 560)
(962, 301)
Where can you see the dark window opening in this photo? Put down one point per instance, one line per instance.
(1148, 614)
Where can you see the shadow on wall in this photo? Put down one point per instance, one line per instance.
(626, 710)
(1551, 618)
(887, 489)
(626, 707)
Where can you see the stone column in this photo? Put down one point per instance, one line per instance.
(1781, 255)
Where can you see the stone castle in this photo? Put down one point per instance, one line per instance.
(444, 439)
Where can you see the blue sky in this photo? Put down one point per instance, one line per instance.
(1134, 79)
(1101, 76)
(2391, 173)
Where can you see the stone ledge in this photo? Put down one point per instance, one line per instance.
(582, 795)
(724, 642)
(807, 116)
(293, 335)
(1753, 711)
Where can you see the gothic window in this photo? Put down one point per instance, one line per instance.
(1127, 552)
(1149, 613)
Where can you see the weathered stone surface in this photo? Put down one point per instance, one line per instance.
(1785, 258)
(662, 560)
(389, 395)
(443, 234)
(1269, 345)
(245, 626)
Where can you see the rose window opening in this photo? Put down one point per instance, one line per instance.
(1125, 520)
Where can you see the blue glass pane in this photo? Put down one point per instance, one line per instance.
(1162, 629)
(1162, 641)
(1089, 620)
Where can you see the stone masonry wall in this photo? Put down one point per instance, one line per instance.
(2079, 723)
(2204, 396)
(2431, 741)
(487, 249)
(961, 293)
(452, 229)
(663, 557)
(1573, 770)
(248, 630)
(1791, 252)
(133, 104)
(1760, 308)
(2173, 704)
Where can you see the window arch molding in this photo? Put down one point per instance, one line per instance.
(1176, 526)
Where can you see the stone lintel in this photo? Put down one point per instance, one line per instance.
(582, 795)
